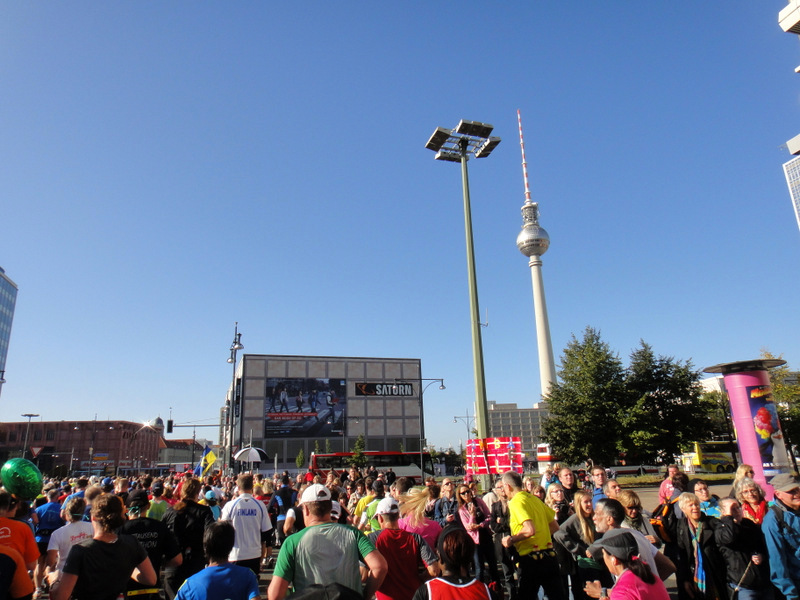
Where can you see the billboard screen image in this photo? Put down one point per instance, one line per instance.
(304, 407)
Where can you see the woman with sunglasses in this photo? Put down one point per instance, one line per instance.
(476, 519)
(752, 498)
(636, 518)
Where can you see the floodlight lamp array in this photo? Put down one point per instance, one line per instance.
(469, 137)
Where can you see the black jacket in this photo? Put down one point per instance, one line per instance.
(738, 542)
(713, 563)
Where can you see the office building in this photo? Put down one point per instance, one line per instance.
(59, 448)
(526, 423)
(8, 300)
(288, 404)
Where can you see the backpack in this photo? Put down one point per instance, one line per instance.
(664, 521)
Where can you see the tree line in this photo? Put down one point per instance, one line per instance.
(647, 412)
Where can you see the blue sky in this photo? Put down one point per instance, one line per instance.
(170, 168)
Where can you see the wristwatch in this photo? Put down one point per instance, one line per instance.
(603, 593)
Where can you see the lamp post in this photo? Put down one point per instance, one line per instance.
(455, 145)
(236, 345)
(27, 431)
(467, 420)
(421, 417)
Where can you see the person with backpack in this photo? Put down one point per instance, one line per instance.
(781, 529)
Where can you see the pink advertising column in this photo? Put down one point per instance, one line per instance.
(755, 418)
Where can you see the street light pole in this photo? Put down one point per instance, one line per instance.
(469, 137)
(236, 345)
(27, 431)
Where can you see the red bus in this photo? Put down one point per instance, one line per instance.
(403, 464)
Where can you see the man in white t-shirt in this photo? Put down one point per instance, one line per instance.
(608, 518)
(251, 523)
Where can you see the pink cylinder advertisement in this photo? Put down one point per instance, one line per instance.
(755, 418)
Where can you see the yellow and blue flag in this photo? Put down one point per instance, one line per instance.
(206, 462)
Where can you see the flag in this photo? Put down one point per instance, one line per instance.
(206, 462)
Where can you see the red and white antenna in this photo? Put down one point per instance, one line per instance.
(524, 162)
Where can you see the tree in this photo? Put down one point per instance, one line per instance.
(584, 406)
(359, 459)
(328, 448)
(301, 459)
(667, 410)
(316, 447)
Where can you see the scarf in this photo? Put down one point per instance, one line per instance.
(699, 572)
(756, 515)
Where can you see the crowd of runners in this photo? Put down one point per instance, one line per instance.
(371, 534)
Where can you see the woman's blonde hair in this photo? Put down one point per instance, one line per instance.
(413, 505)
(584, 520)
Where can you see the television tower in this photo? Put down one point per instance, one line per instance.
(533, 241)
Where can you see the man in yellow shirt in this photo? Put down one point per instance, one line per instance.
(532, 523)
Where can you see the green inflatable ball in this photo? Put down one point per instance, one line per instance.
(22, 478)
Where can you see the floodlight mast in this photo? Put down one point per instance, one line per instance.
(469, 137)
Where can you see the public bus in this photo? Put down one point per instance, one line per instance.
(403, 464)
(710, 457)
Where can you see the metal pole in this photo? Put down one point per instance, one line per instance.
(481, 406)
(27, 431)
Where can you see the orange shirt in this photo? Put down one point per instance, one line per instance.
(19, 536)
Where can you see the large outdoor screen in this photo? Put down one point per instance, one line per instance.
(304, 407)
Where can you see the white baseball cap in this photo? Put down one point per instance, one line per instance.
(315, 493)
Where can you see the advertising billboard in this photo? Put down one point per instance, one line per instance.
(304, 407)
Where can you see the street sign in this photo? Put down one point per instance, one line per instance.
(35, 450)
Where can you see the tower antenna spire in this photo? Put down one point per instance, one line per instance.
(524, 162)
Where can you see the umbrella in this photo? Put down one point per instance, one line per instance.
(251, 455)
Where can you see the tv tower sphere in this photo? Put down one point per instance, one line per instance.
(533, 239)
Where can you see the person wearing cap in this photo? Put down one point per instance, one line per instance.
(325, 552)
(532, 524)
(781, 529)
(107, 485)
(158, 506)
(155, 537)
(406, 552)
(368, 522)
(252, 525)
(634, 579)
(209, 499)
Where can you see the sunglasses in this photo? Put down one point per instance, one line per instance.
(634, 507)
(465, 493)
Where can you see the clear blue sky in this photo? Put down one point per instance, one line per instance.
(170, 168)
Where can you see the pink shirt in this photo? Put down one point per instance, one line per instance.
(428, 531)
(630, 587)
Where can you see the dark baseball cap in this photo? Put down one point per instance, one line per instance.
(137, 498)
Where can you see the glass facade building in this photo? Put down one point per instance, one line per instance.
(8, 300)
(792, 171)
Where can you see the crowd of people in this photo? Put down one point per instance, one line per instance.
(374, 535)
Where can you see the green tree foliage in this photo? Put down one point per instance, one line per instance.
(301, 459)
(606, 412)
(328, 447)
(584, 406)
(667, 410)
(359, 459)
(317, 449)
(786, 393)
